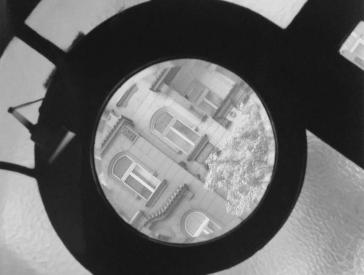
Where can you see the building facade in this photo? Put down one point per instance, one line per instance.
(152, 143)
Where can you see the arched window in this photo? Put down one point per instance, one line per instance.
(134, 176)
(173, 131)
(198, 224)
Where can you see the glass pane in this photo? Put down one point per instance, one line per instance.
(138, 187)
(145, 176)
(186, 132)
(162, 122)
(121, 165)
(179, 141)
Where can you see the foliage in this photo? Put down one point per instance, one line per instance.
(242, 169)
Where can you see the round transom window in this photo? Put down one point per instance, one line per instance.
(184, 151)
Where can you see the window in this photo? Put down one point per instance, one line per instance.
(203, 97)
(175, 132)
(135, 177)
(198, 224)
(210, 103)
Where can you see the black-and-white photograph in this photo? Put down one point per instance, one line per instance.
(181, 137)
(184, 150)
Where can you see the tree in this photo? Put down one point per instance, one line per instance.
(243, 167)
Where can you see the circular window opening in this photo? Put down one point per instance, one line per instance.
(184, 151)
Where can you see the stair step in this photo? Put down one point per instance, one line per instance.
(175, 195)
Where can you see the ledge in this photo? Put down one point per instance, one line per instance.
(157, 194)
(198, 148)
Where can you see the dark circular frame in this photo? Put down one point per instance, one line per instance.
(128, 42)
(92, 155)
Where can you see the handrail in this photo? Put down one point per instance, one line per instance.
(168, 206)
(112, 133)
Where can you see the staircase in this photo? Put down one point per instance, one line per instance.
(113, 132)
(169, 205)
